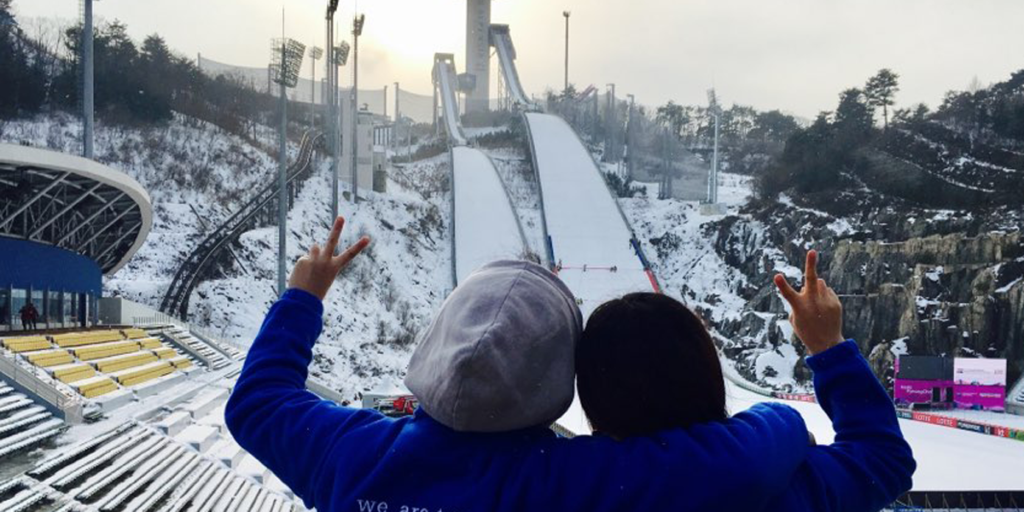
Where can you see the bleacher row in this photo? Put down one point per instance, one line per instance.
(181, 459)
(23, 423)
(212, 358)
(95, 363)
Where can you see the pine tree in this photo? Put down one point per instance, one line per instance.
(881, 90)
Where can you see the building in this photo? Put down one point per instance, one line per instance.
(65, 222)
(374, 133)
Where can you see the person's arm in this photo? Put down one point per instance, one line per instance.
(870, 464)
(270, 413)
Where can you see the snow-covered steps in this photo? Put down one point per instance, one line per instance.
(23, 423)
(199, 349)
(198, 437)
(35, 435)
(205, 402)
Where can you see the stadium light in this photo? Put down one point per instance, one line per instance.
(341, 53)
(357, 30)
(287, 55)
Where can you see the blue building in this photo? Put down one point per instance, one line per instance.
(65, 222)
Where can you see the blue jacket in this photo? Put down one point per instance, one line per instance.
(344, 459)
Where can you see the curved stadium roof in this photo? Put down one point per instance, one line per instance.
(72, 203)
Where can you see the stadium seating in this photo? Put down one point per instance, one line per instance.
(123, 361)
(101, 350)
(94, 386)
(134, 333)
(74, 372)
(95, 363)
(77, 339)
(150, 343)
(26, 343)
(48, 358)
(140, 374)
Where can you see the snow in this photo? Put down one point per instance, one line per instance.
(941, 452)
(486, 227)
(588, 233)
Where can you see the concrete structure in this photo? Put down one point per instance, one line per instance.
(372, 136)
(478, 54)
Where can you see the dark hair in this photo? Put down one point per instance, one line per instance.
(646, 363)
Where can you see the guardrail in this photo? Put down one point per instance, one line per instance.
(186, 278)
(43, 391)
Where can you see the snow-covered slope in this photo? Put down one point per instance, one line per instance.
(191, 169)
(378, 305)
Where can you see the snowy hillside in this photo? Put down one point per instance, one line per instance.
(378, 305)
(194, 173)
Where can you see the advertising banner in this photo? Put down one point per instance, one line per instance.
(979, 372)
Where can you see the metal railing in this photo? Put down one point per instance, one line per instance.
(43, 390)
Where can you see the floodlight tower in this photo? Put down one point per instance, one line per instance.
(286, 61)
(315, 53)
(88, 84)
(330, 117)
(357, 30)
(478, 54)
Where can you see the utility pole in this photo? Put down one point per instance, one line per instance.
(566, 14)
(88, 87)
(330, 100)
(314, 55)
(398, 119)
(357, 30)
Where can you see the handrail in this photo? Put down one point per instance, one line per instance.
(25, 381)
(176, 298)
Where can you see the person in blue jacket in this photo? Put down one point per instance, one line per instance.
(646, 364)
(491, 372)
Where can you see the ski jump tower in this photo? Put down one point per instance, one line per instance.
(478, 55)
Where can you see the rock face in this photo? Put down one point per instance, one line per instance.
(942, 288)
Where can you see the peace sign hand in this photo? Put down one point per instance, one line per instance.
(817, 316)
(316, 271)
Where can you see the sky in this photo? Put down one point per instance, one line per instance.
(792, 55)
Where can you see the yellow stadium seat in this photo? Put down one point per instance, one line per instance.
(26, 343)
(99, 351)
(140, 374)
(74, 372)
(95, 386)
(77, 339)
(165, 352)
(150, 343)
(180, 362)
(123, 361)
(48, 358)
(134, 333)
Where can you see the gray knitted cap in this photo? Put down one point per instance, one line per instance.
(499, 355)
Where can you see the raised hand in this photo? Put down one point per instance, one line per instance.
(817, 314)
(316, 271)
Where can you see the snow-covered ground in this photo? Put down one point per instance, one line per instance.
(516, 172)
(486, 227)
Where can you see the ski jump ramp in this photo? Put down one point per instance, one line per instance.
(485, 226)
(589, 242)
(501, 39)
